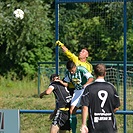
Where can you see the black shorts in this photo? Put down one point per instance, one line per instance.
(71, 90)
(66, 126)
(62, 119)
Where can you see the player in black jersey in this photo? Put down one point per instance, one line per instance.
(99, 102)
(61, 119)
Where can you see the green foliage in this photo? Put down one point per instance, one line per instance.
(129, 44)
(95, 29)
(28, 41)
(96, 26)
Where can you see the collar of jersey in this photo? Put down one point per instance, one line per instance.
(99, 80)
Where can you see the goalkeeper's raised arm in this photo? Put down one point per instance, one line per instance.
(61, 45)
(80, 60)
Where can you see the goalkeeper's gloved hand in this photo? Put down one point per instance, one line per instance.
(58, 43)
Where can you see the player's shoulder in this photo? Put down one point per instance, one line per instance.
(95, 83)
(90, 84)
(109, 83)
(67, 75)
(88, 63)
(82, 68)
(56, 83)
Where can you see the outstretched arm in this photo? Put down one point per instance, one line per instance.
(68, 53)
(46, 92)
(61, 45)
(62, 82)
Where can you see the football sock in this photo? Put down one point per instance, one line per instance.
(73, 123)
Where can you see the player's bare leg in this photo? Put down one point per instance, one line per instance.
(54, 129)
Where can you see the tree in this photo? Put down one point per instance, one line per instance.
(96, 26)
(25, 42)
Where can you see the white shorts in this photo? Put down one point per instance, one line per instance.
(76, 98)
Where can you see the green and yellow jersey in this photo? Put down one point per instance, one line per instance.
(79, 78)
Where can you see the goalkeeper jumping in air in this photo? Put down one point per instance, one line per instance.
(80, 60)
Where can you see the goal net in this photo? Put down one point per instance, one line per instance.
(114, 74)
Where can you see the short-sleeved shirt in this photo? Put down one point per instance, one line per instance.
(79, 78)
(101, 99)
(76, 60)
(63, 99)
(61, 93)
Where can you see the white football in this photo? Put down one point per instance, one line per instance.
(19, 13)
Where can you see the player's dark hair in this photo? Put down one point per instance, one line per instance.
(70, 64)
(100, 70)
(53, 76)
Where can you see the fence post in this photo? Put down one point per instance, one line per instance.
(39, 78)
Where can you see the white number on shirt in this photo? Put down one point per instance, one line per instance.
(103, 96)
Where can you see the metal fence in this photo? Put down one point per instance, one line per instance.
(115, 73)
(119, 117)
